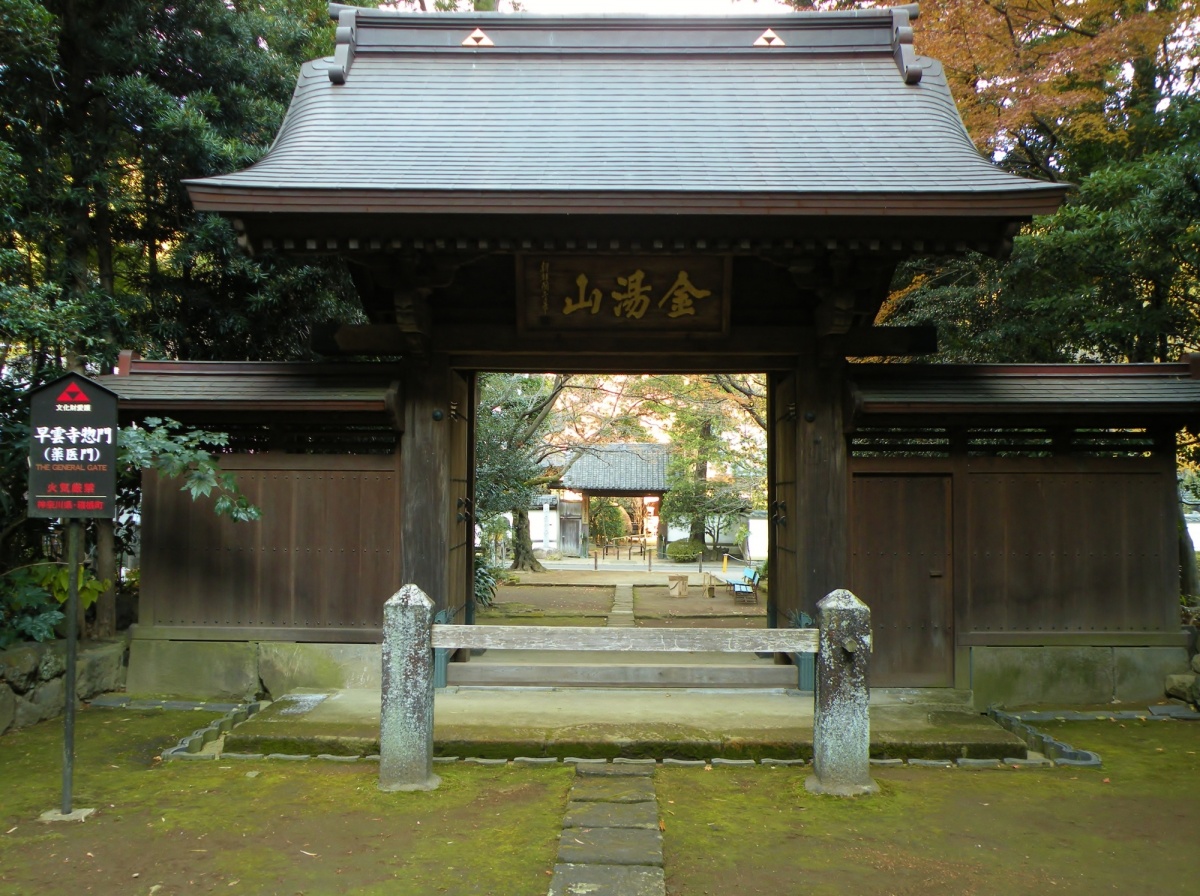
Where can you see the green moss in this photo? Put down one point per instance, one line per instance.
(263, 827)
(946, 831)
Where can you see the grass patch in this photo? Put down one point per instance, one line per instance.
(1128, 827)
(262, 827)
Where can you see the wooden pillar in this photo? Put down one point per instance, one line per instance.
(426, 502)
(821, 518)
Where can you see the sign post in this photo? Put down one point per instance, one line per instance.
(72, 476)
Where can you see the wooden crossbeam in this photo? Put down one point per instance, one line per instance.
(542, 637)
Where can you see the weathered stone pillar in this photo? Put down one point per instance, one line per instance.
(842, 726)
(406, 714)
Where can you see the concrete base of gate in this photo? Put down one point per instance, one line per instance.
(599, 722)
(1072, 676)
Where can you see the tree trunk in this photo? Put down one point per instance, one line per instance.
(106, 568)
(700, 474)
(523, 557)
(1189, 579)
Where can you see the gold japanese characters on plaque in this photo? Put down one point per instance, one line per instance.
(630, 294)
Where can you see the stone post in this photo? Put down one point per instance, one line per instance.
(842, 726)
(406, 714)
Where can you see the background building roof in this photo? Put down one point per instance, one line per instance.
(620, 470)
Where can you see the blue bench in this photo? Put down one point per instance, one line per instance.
(744, 587)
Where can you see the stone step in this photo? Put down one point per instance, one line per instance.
(621, 675)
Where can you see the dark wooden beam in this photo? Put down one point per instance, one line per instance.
(890, 342)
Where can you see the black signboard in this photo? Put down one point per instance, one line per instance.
(73, 449)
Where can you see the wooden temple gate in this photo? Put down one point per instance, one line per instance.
(708, 195)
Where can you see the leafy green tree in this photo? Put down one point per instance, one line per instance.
(512, 426)
(106, 106)
(1111, 277)
(703, 494)
(607, 519)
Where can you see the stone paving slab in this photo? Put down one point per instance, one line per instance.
(622, 789)
(614, 771)
(643, 816)
(607, 880)
(610, 846)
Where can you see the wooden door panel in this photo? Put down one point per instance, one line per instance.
(901, 568)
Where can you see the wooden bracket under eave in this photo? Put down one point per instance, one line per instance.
(393, 400)
(852, 409)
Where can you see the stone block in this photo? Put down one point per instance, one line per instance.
(610, 846)
(100, 668)
(45, 701)
(19, 665)
(1196, 663)
(202, 669)
(1140, 671)
(8, 707)
(284, 667)
(1180, 685)
(607, 880)
(613, 790)
(54, 660)
(977, 763)
(642, 816)
(613, 771)
(1058, 675)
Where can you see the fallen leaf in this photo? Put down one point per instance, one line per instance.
(10, 830)
(662, 825)
(305, 851)
(1107, 780)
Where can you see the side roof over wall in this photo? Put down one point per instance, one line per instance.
(1026, 394)
(799, 115)
(219, 390)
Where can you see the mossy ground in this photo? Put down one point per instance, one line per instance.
(292, 827)
(323, 827)
(1128, 827)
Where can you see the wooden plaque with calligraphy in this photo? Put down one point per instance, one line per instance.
(646, 294)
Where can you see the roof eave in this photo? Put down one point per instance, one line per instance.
(233, 200)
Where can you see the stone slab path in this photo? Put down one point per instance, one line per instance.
(610, 843)
(621, 613)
